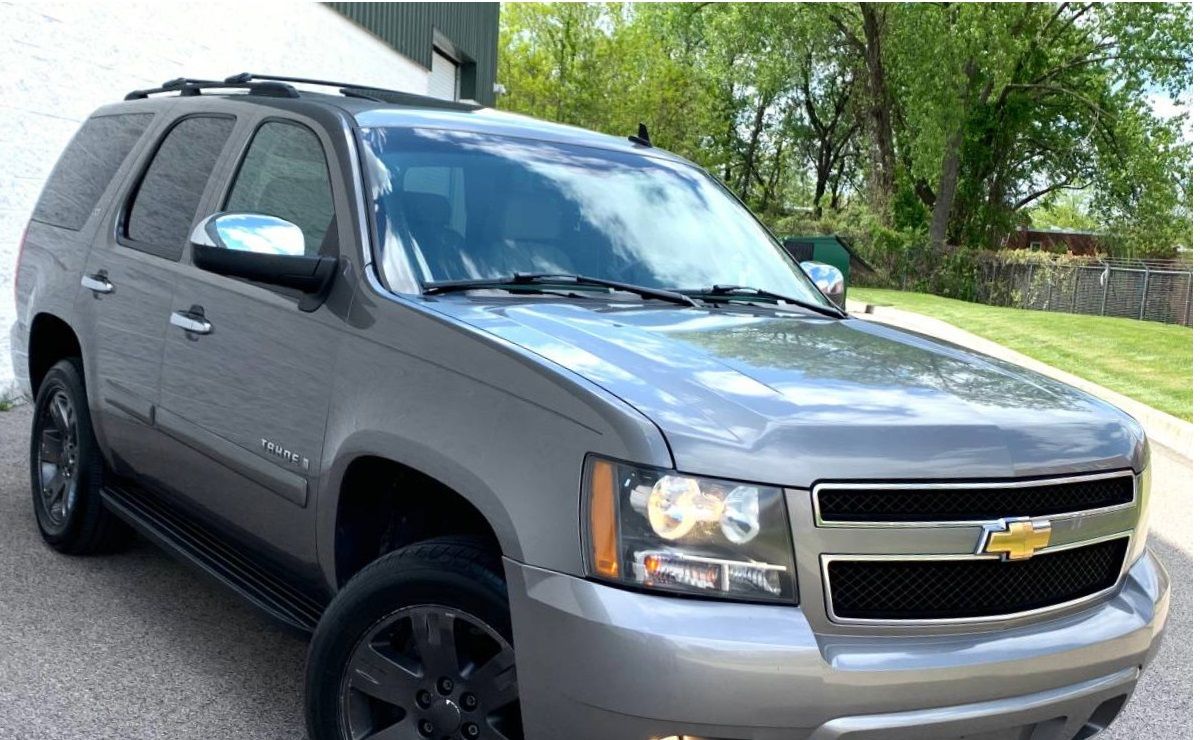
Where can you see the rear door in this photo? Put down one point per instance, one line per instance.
(129, 282)
(249, 398)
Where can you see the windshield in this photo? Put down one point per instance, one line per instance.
(464, 206)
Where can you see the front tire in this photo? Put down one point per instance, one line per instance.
(67, 470)
(417, 645)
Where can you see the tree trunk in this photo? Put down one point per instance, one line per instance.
(835, 185)
(948, 183)
(823, 171)
(752, 148)
(819, 193)
(947, 187)
(882, 177)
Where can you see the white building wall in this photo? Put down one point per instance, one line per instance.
(59, 61)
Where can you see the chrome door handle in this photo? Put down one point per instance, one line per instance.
(97, 283)
(191, 321)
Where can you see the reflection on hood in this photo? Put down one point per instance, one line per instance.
(790, 399)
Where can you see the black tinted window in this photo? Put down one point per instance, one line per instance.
(166, 201)
(86, 167)
(284, 175)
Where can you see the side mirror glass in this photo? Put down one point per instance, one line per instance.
(828, 279)
(250, 232)
(262, 249)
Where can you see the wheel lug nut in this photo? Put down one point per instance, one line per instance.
(425, 727)
(469, 701)
(445, 686)
(424, 699)
(471, 730)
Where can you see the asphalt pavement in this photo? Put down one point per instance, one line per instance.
(137, 645)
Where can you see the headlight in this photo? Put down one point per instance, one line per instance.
(660, 530)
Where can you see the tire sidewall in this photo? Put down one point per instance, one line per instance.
(361, 605)
(66, 376)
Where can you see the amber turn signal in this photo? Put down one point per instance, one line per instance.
(603, 520)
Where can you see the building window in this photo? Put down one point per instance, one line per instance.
(1035, 246)
(444, 77)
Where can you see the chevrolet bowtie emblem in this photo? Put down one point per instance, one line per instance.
(1015, 540)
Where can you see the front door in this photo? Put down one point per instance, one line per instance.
(247, 396)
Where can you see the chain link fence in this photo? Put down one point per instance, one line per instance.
(1149, 290)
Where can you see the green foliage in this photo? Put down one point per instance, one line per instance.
(1007, 114)
(1146, 361)
(1066, 210)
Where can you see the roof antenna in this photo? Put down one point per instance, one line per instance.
(643, 136)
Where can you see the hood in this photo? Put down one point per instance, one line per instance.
(792, 399)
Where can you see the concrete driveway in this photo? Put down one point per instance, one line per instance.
(138, 646)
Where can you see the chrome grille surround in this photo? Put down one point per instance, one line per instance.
(826, 560)
(960, 540)
(952, 486)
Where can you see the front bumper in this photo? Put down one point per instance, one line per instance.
(605, 663)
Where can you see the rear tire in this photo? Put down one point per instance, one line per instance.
(418, 644)
(66, 469)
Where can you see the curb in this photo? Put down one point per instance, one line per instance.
(1165, 430)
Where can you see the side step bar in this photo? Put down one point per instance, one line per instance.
(173, 532)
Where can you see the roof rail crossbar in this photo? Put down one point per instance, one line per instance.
(187, 87)
(246, 77)
(365, 92)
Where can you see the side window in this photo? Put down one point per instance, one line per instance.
(85, 168)
(164, 207)
(284, 175)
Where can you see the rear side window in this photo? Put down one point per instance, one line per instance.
(85, 168)
(166, 201)
(284, 175)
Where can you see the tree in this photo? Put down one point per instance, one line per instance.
(960, 119)
(862, 30)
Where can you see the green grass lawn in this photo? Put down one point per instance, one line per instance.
(1144, 360)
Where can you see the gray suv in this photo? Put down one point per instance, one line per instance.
(542, 435)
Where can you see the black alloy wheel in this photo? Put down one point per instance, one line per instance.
(417, 646)
(430, 672)
(58, 459)
(66, 468)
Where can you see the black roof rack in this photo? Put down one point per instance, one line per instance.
(187, 87)
(354, 90)
(277, 86)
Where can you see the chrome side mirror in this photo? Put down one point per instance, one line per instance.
(828, 279)
(250, 232)
(262, 249)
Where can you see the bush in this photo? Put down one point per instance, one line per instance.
(904, 259)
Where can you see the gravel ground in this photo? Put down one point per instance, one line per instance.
(134, 645)
(138, 646)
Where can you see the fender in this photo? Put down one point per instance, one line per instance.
(421, 458)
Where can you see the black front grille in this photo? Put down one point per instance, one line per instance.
(970, 504)
(964, 589)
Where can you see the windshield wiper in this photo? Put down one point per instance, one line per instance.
(743, 292)
(549, 279)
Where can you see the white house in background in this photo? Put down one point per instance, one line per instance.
(62, 60)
